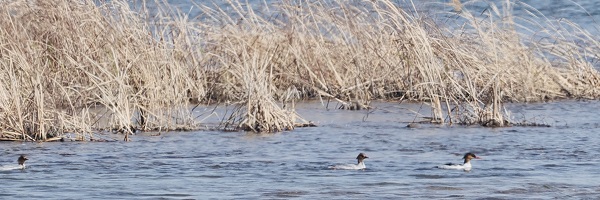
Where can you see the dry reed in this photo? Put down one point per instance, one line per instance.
(82, 67)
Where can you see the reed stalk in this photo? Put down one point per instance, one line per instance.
(88, 67)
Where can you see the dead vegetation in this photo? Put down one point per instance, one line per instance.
(83, 67)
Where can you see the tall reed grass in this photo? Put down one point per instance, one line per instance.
(84, 67)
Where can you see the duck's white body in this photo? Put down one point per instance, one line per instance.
(361, 163)
(11, 167)
(465, 166)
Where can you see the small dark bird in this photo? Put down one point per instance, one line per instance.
(22, 160)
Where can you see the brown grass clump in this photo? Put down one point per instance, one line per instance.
(85, 67)
(61, 59)
(355, 52)
(247, 76)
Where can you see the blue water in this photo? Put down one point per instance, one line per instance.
(585, 13)
(518, 162)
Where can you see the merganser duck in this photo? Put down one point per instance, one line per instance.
(361, 164)
(465, 166)
(21, 161)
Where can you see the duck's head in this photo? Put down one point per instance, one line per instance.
(361, 157)
(22, 159)
(469, 156)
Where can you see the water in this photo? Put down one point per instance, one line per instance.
(586, 13)
(525, 162)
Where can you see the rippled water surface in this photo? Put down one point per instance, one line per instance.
(525, 162)
(585, 13)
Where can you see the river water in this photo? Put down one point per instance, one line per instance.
(585, 13)
(560, 161)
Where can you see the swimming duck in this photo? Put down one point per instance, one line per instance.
(361, 164)
(21, 160)
(465, 166)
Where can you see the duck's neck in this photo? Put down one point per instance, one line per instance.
(467, 161)
(360, 160)
(361, 164)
